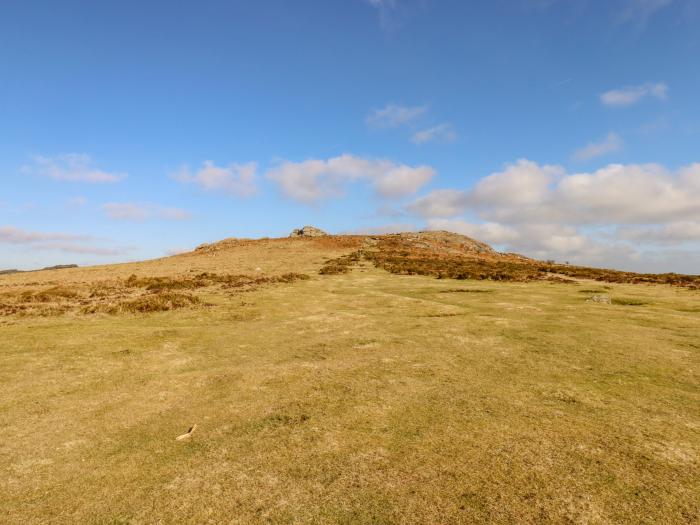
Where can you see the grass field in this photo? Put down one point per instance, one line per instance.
(363, 397)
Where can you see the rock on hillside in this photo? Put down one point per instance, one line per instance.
(443, 242)
(308, 231)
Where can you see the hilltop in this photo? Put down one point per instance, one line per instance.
(180, 281)
(404, 378)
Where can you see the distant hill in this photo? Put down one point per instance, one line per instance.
(56, 267)
(441, 254)
(59, 267)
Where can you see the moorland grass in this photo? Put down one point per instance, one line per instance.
(364, 397)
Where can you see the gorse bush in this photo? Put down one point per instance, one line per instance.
(341, 264)
(56, 293)
(157, 302)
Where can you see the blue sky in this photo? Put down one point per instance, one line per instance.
(560, 129)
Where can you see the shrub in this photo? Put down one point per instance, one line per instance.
(56, 293)
(341, 264)
(155, 302)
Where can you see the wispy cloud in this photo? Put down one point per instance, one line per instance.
(63, 242)
(76, 202)
(398, 227)
(631, 95)
(610, 144)
(236, 180)
(640, 11)
(634, 12)
(561, 83)
(393, 115)
(313, 180)
(70, 167)
(11, 235)
(386, 10)
(81, 249)
(441, 133)
(142, 211)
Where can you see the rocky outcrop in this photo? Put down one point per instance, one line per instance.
(601, 298)
(308, 231)
(443, 242)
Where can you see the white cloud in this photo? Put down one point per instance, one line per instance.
(383, 229)
(63, 242)
(489, 232)
(524, 184)
(630, 95)
(398, 181)
(617, 193)
(393, 116)
(672, 233)
(441, 133)
(558, 242)
(313, 180)
(630, 194)
(440, 203)
(70, 167)
(238, 180)
(610, 144)
(603, 218)
(142, 211)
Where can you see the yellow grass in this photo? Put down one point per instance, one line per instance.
(362, 397)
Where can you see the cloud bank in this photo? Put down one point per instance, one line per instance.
(313, 180)
(608, 216)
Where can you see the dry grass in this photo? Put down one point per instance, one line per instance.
(363, 397)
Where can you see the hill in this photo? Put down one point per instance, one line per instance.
(406, 378)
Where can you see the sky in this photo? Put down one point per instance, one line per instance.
(559, 129)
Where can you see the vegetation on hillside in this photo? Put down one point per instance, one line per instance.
(447, 258)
